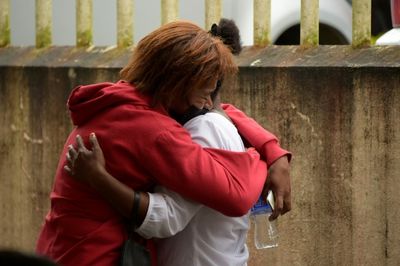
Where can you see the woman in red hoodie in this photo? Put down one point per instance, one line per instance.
(171, 69)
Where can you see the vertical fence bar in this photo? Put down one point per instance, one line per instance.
(213, 12)
(361, 22)
(309, 25)
(84, 22)
(43, 23)
(262, 22)
(169, 10)
(4, 23)
(125, 23)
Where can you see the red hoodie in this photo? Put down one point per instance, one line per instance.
(144, 146)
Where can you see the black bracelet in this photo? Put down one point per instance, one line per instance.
(135, 209)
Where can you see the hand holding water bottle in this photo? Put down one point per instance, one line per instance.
(265, 231)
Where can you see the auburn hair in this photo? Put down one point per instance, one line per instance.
(176, 58)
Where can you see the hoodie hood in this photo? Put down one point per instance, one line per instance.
(87, 101)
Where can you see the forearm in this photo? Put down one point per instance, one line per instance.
(224, 174)
(261, 139)
(119, 195)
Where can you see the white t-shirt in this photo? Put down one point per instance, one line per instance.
(190, 233)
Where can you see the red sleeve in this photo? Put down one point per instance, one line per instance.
(263, 141)
(229, 182)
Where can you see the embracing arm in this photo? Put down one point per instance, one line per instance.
(277, 158)
(209, 176)
(160, 215)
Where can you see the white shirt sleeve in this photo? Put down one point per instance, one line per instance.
(168, 214)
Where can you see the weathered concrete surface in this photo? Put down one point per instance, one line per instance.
(334, 107)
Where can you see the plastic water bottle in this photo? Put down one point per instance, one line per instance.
(265, 231)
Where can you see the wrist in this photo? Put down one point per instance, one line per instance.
(139, 208)
(280, 164)
(98, 177)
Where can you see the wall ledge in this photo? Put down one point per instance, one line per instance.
(272, 56)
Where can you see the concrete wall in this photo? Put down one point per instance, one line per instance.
(335, 108)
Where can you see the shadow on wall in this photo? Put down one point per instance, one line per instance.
(17, 258)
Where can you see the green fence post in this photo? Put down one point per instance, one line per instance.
(84, 22)
(124, 23)
(309, 25)
(213, 12)
(169, 10)
(43, 23)
(262, 22)
(361, 23)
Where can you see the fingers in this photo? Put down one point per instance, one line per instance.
(69, 159)
(68, 170)
(282, 205)
(93, 141)
(278, 206)
(72, 153)
(71, 156)
(279, 181)
(81, 145)
(287, 204)
(80, 151)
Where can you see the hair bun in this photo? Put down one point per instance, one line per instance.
(214, 30)
(229, 33)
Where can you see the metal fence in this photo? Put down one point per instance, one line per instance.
(309, 34)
